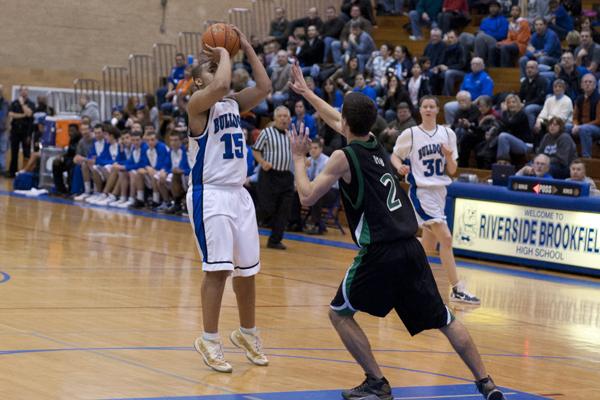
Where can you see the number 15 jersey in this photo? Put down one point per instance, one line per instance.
(218, 156)
(423, 151)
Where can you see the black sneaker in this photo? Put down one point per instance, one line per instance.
(489, 390)
(174, 208)
(460, 294)
(371, 388)
(276, 246)
(138, 204)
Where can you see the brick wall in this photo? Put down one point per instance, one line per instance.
(50, 43)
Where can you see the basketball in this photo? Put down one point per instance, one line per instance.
(222, 35)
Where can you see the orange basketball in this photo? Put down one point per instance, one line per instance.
(221, 35)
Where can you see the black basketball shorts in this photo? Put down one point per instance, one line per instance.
(393, 276)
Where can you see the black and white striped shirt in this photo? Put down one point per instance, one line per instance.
(275, 148)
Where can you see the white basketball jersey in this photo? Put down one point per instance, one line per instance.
(423, 150)
(218, 156)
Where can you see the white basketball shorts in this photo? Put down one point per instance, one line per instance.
(224, 223)
(429, 203)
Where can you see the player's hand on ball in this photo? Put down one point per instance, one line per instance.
(244, 42)
(404, 169)
(215, 53)
(300, 141)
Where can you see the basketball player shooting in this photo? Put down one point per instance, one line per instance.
(391, 270)
(220, 209)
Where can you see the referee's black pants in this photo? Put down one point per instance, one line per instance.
(275, 194)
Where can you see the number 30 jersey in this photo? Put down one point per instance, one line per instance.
(218, 155)
(423, 151)
(376, 206)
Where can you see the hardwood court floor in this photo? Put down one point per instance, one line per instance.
(96, 304)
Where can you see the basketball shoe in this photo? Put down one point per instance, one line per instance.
(460, 294)
(489, 390)
(252, 345)
(212, 354)
(370, 388)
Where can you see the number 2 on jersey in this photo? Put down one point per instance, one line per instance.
(431, 170)
(234, 145)
(392, 202)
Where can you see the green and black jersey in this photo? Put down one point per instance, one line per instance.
(377, 208)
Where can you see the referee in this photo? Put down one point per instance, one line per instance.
(276, 181)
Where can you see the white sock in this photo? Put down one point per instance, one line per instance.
(210, 336)
(246, 331)
(88, 187)
(156, 197)
(140, 195)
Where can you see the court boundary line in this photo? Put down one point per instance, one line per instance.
(4, 277)
(536, 275)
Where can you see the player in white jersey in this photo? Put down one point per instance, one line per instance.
(220, 209)
(425, 153)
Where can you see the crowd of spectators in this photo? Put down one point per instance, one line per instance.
(135, 157)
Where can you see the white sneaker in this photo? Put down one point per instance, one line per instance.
(82, 196)
(252, 345)
(461, 294)
(95, 198)
(106, 200)
(126, 204)
(212, 354)
(116, 203)
(414, 38)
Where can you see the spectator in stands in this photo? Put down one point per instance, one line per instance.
(177, 72)
(84, 145)
(467, 116)
(364, 6)
(316, 163)
(560, 21)
(532, 92)
(492, 30)
(311, 18)
(379, 63)
(280, 78)
(276, 182)
(331, 94)
(559, 146)
(477, 82)
(396, 93)
(540, 168)
(418, 85)
(577, 174)
(402, 121)
(280, 26)
(90, 109)
(537, 9)
(345, 77)
(586, 115)
(586, 25)
(454, 15)
(65, 163)
(517, 40)
(544, 47)
(360, 85)
(454, 64)
(587, 55)
(426, 13)
(558, 105)
(402, 63)
(484, 137)
(137, 162)
(567, 71)
(435, 48)
(301, 117)
(311, 52)
(43, 107)
(332, 29)
(3, 130)
(338, 45)
(391, 7)
(90, 192)
(515, 138)
(105, 171)
(122, 188)
(182, 88)
(360, 44)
